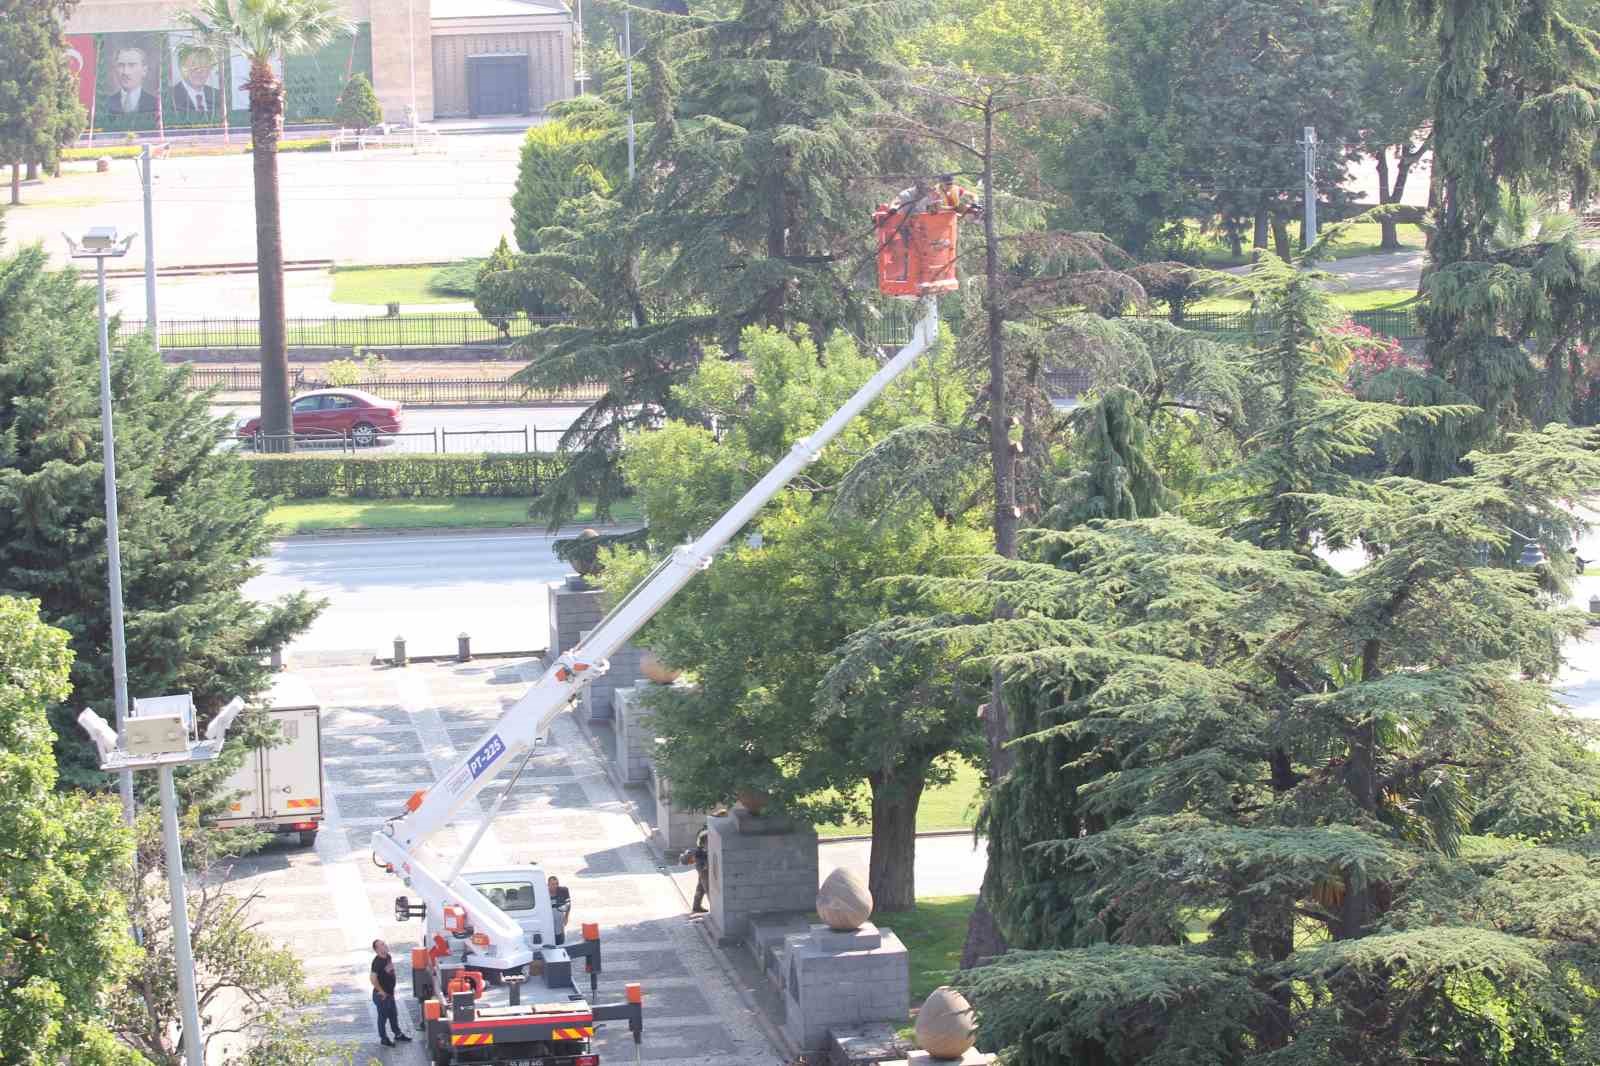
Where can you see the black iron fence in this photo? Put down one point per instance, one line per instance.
(1402, 324)
(437, 441)
(442, 330)
(441, 392)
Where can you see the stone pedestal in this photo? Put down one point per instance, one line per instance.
(574, 610)
(636, 734)
(973, 1057)
(676, 827)
(833, 979)
(598, 695)
(758, 866)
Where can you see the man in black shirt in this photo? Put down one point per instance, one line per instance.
(383, 993)
(561, 905)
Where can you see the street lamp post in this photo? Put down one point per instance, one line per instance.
(159, 736)
(101, 244)
(411, 48)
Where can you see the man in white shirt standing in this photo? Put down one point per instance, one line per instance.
(129, 67)
(194, 95)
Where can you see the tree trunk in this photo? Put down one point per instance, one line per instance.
(1280, 237)
(16, 183)
(1259, 237)
(891, 868)
(266, 116)
(984, 939)
(1391, 234)
(33, 170)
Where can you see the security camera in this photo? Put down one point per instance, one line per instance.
(219, 725)
(104, 737)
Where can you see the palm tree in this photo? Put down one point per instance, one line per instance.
(264, 30)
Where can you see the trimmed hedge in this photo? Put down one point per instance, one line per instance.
(390, 477)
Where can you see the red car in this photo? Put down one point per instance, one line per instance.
(335, 413)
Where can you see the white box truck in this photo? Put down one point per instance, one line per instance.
(282, 785)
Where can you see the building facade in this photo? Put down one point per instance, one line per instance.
(137, 71)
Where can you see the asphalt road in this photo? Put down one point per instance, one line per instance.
(490, 428)
(427, 588)
(386, 206)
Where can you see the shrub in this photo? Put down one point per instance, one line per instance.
(343, 373)
(495, 300)
(358, 105)
(559, 161)
(306, 476)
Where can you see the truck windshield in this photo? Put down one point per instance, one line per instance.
(509, 896)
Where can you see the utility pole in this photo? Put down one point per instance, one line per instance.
(148, 178)
(411, 49)
(1310, 146)
(583, 72)
(627, 50)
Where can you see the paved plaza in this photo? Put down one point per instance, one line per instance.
(385, 733)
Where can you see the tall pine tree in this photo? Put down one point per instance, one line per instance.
(39, 108)
(190, 530)
(1515, 102)
(751, 206)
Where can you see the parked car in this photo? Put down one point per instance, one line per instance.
(335, 413)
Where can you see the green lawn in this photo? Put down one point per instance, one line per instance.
(307, 516)
(1361, 300)
(952, 806)
(1361, 238)
(382, 285)
(933, 932)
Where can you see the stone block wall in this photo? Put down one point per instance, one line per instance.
(758, 866)
(676, 827)
(636, 734)
(623, 672)
(835, 980)
(573, 612)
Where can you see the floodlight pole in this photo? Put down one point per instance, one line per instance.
(148, 178)
(627, 47)
(108, 444)
(193, 1036)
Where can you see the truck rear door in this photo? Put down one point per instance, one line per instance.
(247, 780)
(294, 768)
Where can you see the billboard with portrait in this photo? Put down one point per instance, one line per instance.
(129, 80)
(194, 82)
(159, 80)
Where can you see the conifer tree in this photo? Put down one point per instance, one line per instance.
(1515, 101)
(190, 529)
(358, 105)
(749, 207)
(39, 108)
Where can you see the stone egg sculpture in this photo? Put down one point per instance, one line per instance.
(843, 901)
(945, 1028)
(651, 666)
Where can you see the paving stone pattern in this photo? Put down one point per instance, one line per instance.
(387, 732)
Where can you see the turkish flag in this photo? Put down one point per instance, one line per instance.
(80, 60)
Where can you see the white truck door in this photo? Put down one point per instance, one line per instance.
(246, 779)
(294, 768)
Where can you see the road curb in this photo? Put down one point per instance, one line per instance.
(449, 531)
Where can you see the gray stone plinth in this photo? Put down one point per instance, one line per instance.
(636, 734)
(676, 827)
(865, 1045)
(573, 612)
(825, 988)
(768, 937)
(761, 865)
(598, 703)
(973, 1057)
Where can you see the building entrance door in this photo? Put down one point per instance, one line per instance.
(497, 85)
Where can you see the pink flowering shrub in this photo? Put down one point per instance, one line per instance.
(1371, 354)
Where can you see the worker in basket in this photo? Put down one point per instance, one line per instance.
(945, 195)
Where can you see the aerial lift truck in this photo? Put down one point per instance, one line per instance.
(486, 933)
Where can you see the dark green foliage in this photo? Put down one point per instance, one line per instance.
(190, 530)
(63, 930)
(1515, 101)
(389, 477)
(39, 108)
(743, 212)
(493, 292)
(358, 105)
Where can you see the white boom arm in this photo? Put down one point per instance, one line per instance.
(526, 723)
